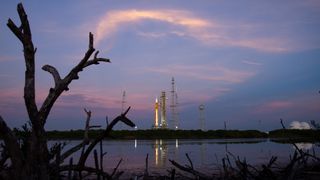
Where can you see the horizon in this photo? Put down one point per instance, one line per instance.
(250, 63)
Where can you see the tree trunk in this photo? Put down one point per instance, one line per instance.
(30, 160)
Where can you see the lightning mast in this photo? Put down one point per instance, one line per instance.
(201, 117)
(173, 106)
(123, 102)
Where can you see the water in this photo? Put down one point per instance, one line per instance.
(206, 154)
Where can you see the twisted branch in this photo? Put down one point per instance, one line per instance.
(54, 72)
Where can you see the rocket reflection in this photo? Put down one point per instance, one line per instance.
(161, 151)
(168, 149)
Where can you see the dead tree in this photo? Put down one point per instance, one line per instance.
(30, 160)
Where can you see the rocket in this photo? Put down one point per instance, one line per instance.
(156, 114)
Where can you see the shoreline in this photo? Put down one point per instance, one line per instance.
(275, 135)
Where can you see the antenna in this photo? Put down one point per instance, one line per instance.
(173, 106)
(201, 117)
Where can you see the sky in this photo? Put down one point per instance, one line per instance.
(249, 63)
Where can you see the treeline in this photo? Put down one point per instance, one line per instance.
(294, 135)
(310, 135)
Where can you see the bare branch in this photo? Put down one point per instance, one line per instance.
(88, 169)
(283, 126)
(197, 174)
(54, 72)
(24, 35)
(96, 162)
(106, 132)
(116, 168)
(71, 151)
(96, 60)
(24, 21)
(16, 31)
(72, 75)
(91, 41)
(146, 173)
(87, 127)
(191, 164)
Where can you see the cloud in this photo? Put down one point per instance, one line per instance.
(8, 58)
(293, 106)
(204, 72)
(110, 23)
(151, 34)
(208, 32)
(251, 63)
(299, 125)
(273, 106)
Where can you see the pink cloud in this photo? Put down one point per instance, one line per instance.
(8, 58)
(205, 72)
(111, 21)
(278, 105)
(208, 32)
(302, 104)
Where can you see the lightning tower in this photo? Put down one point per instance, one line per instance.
(173, 106)
(201, 117)
(123, 102)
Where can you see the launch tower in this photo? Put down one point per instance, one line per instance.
(164, 124)
(173, 106)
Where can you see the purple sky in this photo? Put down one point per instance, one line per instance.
(249, 62)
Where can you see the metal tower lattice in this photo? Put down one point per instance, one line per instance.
(173, 106)
(123, 102)
(163, 110)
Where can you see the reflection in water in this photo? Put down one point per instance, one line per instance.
(303, 146)
(163, 153)
(160, 152)
(205, 154)
(203, 150)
